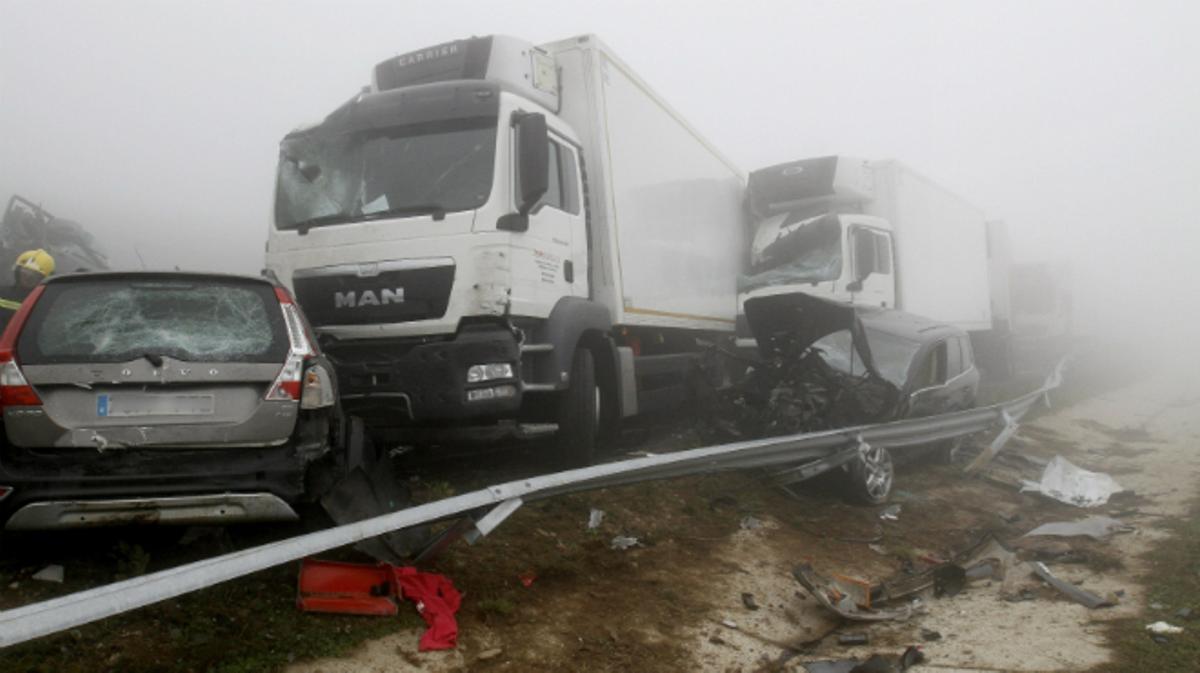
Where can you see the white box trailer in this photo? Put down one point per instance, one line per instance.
(496, 233)
(666, 206)
(941, 247)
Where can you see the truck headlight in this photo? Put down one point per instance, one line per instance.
(489, 372)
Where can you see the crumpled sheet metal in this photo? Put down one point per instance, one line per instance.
(1095, 527)
(840, 599)
(1073, 485)
(1082, 596)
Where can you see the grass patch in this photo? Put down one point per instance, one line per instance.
(1174, 582)
(249, 624)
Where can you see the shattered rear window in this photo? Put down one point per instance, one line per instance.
(198, 320)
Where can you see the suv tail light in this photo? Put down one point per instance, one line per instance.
(288, 384)
(14, 389)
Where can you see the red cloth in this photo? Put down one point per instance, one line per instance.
(437, 600)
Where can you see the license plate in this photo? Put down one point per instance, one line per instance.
(133, 405)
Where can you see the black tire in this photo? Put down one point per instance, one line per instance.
(869, 477)
(579, 413)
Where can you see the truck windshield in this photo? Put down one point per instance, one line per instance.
(805, 252)
(332, 178)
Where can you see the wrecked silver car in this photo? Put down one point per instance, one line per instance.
(159, 398)
(827, 365)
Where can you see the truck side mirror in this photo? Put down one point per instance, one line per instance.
(533, 160)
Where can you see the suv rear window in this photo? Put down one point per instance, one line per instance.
(117, 320)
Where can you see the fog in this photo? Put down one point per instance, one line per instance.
(156, 124)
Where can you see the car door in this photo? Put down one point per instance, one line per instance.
(930, 394)
(546, 266)
(872, 264)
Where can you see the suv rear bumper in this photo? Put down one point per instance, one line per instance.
(182, 486)
(179, 510)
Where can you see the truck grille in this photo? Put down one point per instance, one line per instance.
(367, 294)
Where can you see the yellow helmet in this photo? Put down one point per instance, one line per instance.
(36, 260)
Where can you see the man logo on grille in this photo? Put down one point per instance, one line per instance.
(354, 299)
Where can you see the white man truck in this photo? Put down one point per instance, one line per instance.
(496, 236)
(876, 233)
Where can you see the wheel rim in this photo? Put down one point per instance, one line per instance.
(877, 472)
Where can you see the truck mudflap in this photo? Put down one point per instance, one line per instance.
(371, 487)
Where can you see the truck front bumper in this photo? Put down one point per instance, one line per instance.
(392, 382)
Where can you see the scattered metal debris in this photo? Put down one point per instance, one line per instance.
(853, 639)
(1095, 527)
(1082, 596)
(623, 542)
(890, 513)
(595, 518)
(51, 573)
(1073, 485)
(838, 597)
(748, 601)
(729, 624)
(1163, 628)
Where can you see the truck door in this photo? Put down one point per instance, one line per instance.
(547, 267)
(872, 265)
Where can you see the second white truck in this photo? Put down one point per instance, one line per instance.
(499, 237)
(877, 233)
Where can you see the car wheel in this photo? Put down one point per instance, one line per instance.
(579, 413)
(870, 476)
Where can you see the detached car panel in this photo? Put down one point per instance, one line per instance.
(159, 397)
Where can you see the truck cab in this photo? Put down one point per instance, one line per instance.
(498, 236)
(403, 225)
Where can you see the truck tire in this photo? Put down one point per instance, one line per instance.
(579, 413)
(869, 477)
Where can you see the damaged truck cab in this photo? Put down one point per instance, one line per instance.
(452, 233)
(877, 234)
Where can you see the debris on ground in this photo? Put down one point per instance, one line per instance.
(876, 663)
(623, 542)
(595, 518)
(839, 595)
(929, 635)
(890, 513)
(1163, 628)
(1095, 527)
(355, 588)
(853, 639)
(1184, 613)
(527, 578)
(729, 624)
(748, 601)
(749, 523)
(1073, 485)
(490, 654)
(51, 573)
(1082, 596)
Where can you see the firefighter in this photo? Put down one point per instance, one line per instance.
(31, 268)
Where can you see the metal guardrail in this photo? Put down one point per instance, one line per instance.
(59, 614)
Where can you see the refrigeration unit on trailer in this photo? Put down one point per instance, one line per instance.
(504, 236)
(876, 233)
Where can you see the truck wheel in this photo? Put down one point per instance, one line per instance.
(869, 476)
(579, 412)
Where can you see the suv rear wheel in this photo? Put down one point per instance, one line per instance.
(579, 412)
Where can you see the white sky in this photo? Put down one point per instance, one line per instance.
(1078, 123)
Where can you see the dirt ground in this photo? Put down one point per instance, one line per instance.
(675, 602)
(545, 593)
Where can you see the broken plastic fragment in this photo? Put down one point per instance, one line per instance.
(595, 518)
(623, 542)
(890, 513)
(51, 573)
(1163, 628)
